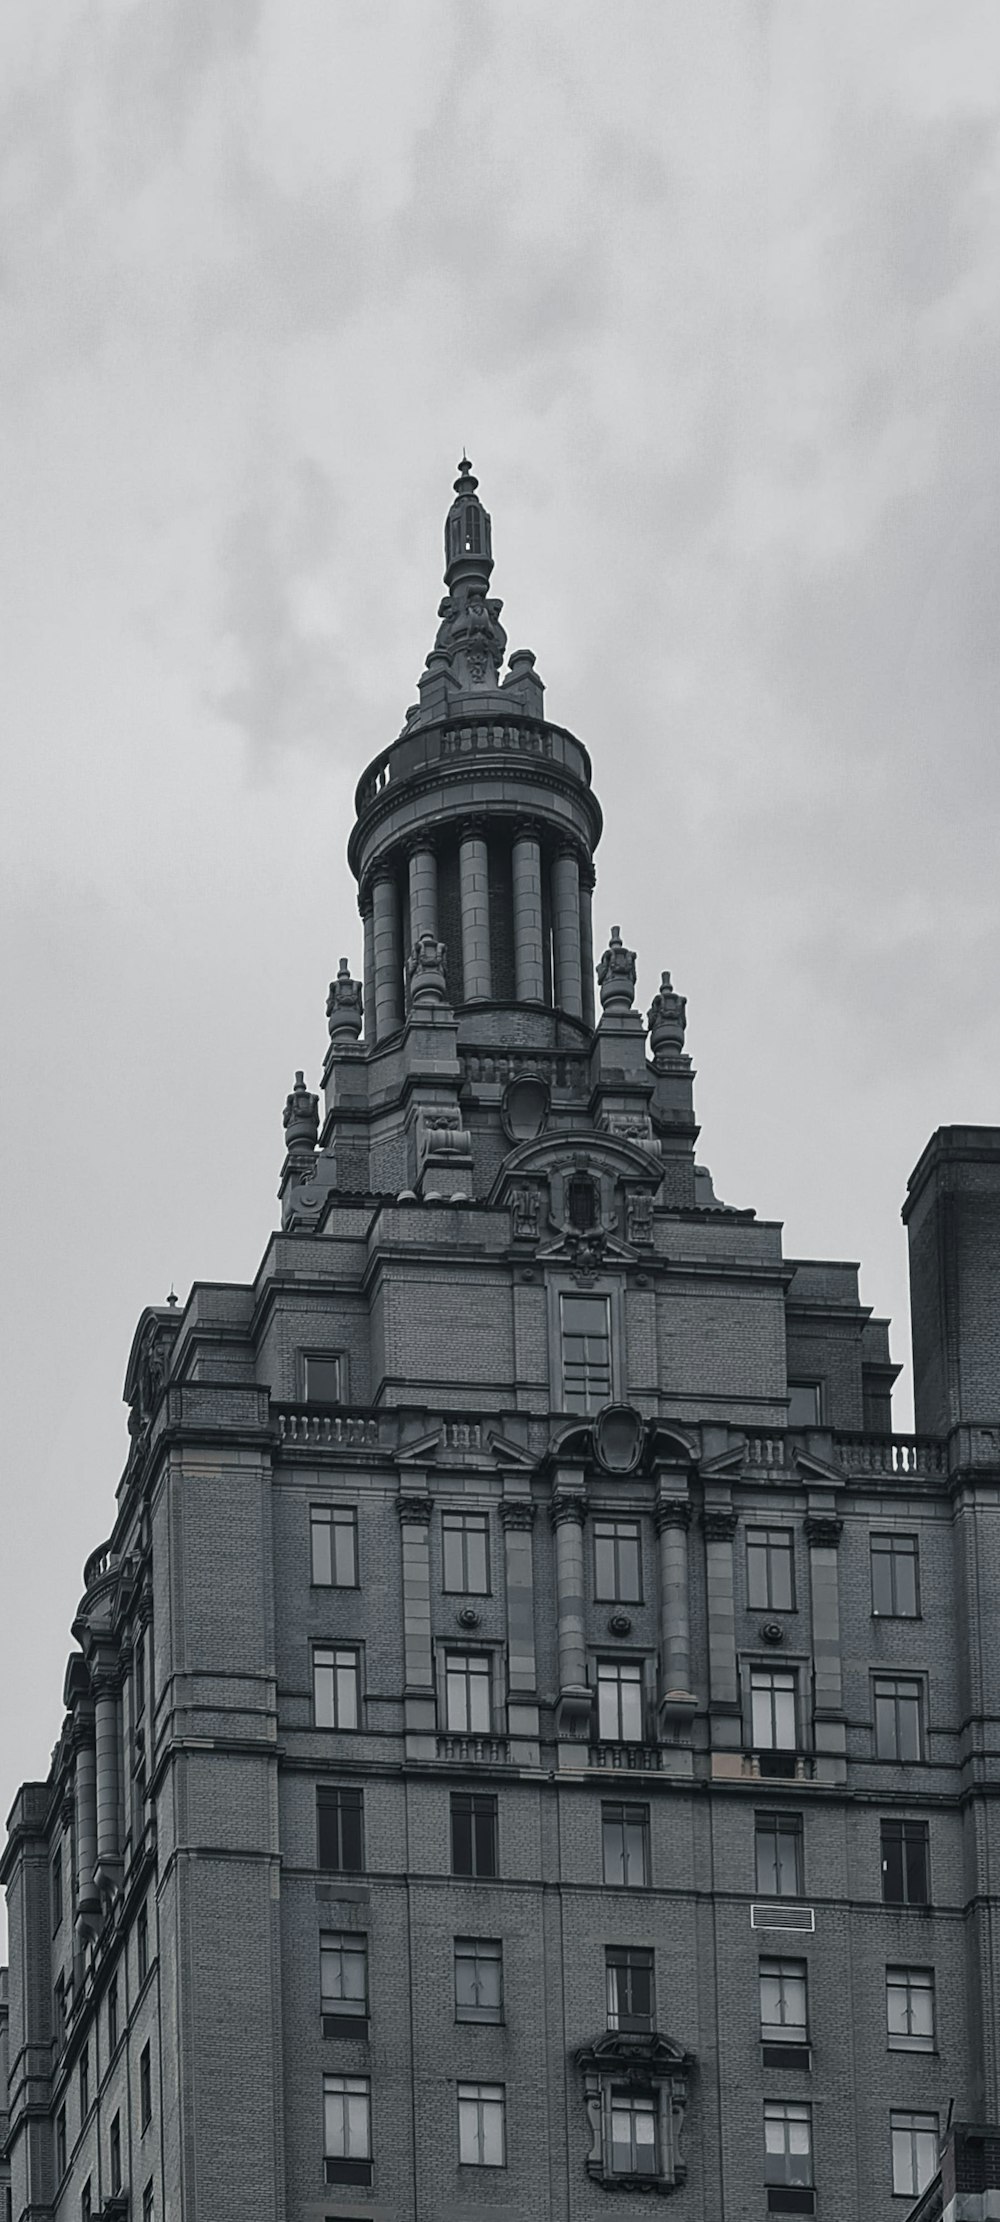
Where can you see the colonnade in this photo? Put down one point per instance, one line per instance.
(565, 900)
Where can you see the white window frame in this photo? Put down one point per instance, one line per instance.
(612, 1530)
(460, 1525)
(910, 1999)
(784, 2162)
(482, 2110)
(328, 1524)
(790, 1977)
(767, 1542)
(559, 1286)
(912, 2156)
(780, 1719)
(635, 2106)
(889, 1690)
(347, 2128)
(620, 1684)
(337, 1947)
(340, 1695)
(479, 1953)
(468, 1692)
(622, 1808)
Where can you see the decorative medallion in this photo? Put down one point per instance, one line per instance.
(619, 1624)
(618, 1434)
(771, 1631)
(524, 1107)
(468, 1617)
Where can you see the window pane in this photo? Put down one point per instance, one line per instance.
(345, 1550)
(881, 1577)
(478, 1979)
(803, 1404)
(339, 1815)
(322, 1548)
(905, 1572)
(783, 2000)
(344, 1974)
(778, 1841)
(322, 1380)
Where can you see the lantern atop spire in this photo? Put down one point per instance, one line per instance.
(468, 551)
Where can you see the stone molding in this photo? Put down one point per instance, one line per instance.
(823, 1530)
(568, 1505)
(414, 1512)
(720, 1523)
(672, 1512)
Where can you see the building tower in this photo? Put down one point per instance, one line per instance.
(531, 1735)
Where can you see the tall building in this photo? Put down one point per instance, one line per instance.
(533, 1736)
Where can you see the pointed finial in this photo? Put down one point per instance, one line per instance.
(173, 1298)
(466, 482)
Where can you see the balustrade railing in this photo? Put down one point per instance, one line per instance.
(490, 1751)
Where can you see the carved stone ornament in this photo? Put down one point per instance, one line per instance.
(524, 1107)
(651, 2067)
(823, 1529)
(618, 1438)
(667, 1021)
(344, 1007)
(425, 972)
(671, 1512)
(720, 1523)
(414, 1511)
(567, 1505)
(525, 1207)
(300, 1118)
(467, 1617)
(638, 1219)
(616, 975)
(619, 1624)
(631, 1126)
(517, 1512)
(771, 1631)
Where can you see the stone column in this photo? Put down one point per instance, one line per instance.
(473, 867)
(673, 1518)
(823, 1528)
(88, 1900)
(719, 1523)
(423, 892)
(419, 1707)
(569, 1511)
(107, 1777)
(388, 956)
(526, 878)
(587, 941)
(517, 1512)
(368, 922)
(566, 932)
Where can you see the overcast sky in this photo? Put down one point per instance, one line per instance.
(710, 290)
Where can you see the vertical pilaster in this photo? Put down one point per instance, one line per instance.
(566, 931)
(419, 1707)
(517, 1513)
(473, 867)
(587, 941)
(569, 1511)
(673, 1518)
(423, 891)
(388, 958)
(368, 923)
(823, 1528)
(107, 1738)
(88, 1903)
(526, 880)
(719, 1523)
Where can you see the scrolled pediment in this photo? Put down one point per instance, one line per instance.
(567, 1153)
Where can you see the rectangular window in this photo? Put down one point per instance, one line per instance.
(339, 1816)
(619, 1701)
(343, 1960)
(334, 1538)
(147, 2202)
(59, 2010)
(586, 1352)
(478, 1979)
(481, 2127)
(115, 2154)
(139, 1674)
(778, 1850)
(625, 1838)
(805, 1403)
(914, 2152)
(336, 1686)
(465, 1539)
(113, 2014)
(84, 2084)
(142, 1943)
(347, 2128)
(787, 2143)
(897, 1718)
(618, 1562)
(783, 1995)
(909, 2008)
(468, 1707)
(60, 2144)
(145, 2088)
(473, 1834)
(905, 1863)
(321, 1377)
(57, 1887)
(633, 2135)
(629, 1978)
(770, 1570)
(772, 1709)
(86, 2202)
(894, 1576)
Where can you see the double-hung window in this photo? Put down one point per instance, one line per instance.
(619, 1701)
(348, 2130)
(343, 1963)
(465, 1553)
(914, 2152)
(625, 1842)
(897, 1717)
(339, 1819)
(629, 1978)
(772, 1709)
(333, 1531)
(788, 2158)
(473, 1834)
(909, 2008)
(115, 2154)
(895, 1593)
(481, 2125)
(468, 1708)
(905, 1863)
(778, 1852)
(478, 1979)
(336, 1686)
(633, 2134)
(617, 1561)
(770, 1570)
(585, 1323)
(783, 2002)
